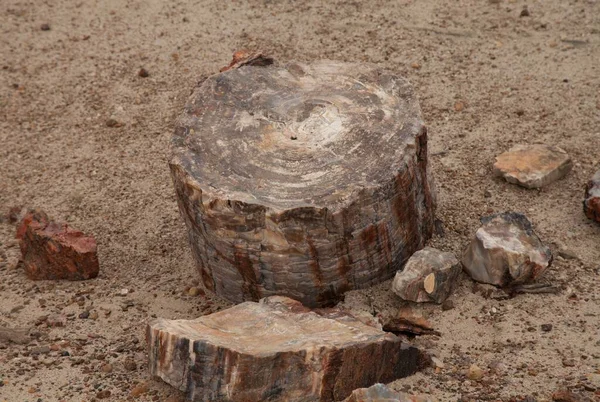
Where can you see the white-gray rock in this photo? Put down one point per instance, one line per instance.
(506, 251)
(429, 275)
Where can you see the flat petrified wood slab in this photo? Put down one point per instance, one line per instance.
(275, 350)
(302, 180)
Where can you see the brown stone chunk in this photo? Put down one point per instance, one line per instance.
(54, 250)
(429, 275)
(506, 251)
(275, 350)
(302, 180)
(591, 205)
(381, 393)
(533, 166)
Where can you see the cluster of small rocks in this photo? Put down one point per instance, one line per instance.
(505, 252)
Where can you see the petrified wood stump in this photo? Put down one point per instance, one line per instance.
(302, 180)
(275, 350)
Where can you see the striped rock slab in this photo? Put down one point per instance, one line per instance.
(302, 180)
(276, 350)
(381, 393)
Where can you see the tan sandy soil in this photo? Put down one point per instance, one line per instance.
(487, 79)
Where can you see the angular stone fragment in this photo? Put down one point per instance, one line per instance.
(302, 180)
(381, 393)
(54, 250)
(406, 321)
(533, 166)
(506, 251)
(591, 205)
(275, 350)
(429, 275)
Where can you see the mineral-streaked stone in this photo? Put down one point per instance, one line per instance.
(506, 251)
(429, 275)
(381, 393)
(302, 180)
(591, 205)
(275, 350)
(533, 166)
(54, 250)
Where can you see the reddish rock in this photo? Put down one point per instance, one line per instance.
(533, 166)
(54, 250)
(591, 205)
(275, 350)
(564, 395)
(406, 321)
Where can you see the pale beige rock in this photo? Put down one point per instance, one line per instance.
(381, 393)
(506, 251)
(275, 350)
(303, 180)
(429, 275)
(533, 166)
(591, 205)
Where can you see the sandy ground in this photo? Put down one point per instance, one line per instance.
(486, 78)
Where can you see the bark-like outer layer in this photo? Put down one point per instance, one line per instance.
(256, 232)
(275, 350)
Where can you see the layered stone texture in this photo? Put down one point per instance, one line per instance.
(54, 250)
(533, 166)
(302, 180)
(429, 275)
(381, 393)
(275, 350)
(591, 205)
(506, 251)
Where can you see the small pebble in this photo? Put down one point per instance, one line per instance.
(475, 373)
(111, 123)
(139, 389)
(194, 291)
(447, 305)
(546, 327)
(45, 27)
(130, 365)
(143, 73)
(103, 394)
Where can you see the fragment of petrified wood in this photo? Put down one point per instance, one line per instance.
(54, 250)
(275, 350)
(406, 321)
(533, 166)
(591, 205)
(381, 393)
(429, 275)
(506, 251)
(302, 180)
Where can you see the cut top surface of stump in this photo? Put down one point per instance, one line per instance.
(260, 329)
(296, 135)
